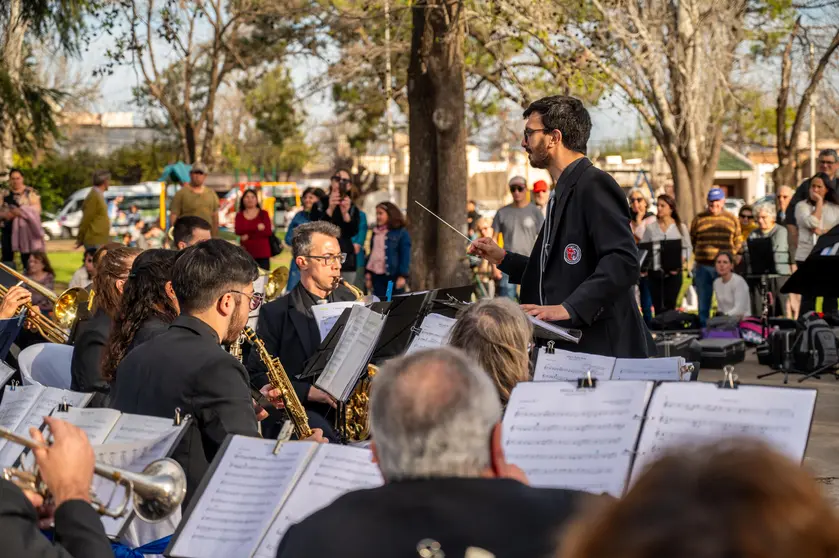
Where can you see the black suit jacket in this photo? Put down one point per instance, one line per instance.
(186, 368)
(78, 529)
(150, 329)
(348, 229)
(86, 364)
(290, 335)
(592, 266)
(503, 516)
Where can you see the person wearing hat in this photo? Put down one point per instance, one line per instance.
(713, 231)
(518, 225)
(196, 200)
(541, 195)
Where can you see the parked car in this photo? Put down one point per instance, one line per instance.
(51, 226)
(733, 205)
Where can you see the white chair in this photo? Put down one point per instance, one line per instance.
(46, 364)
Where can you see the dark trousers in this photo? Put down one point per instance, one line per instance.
(808, 303)
(777, 300)
(646, 299)
(664, 288)
(264, 263)
(380, 285)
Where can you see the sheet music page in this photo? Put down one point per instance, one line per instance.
(243, 496)
(434, 333)
(6, 373)
(666, 369)
(561, 332)
(97, 423)
(580, 438)
(327, 314)
(566, 365)
(16, 403)
(133, 428)
(700, 412)
(358, 340)
(333, 471)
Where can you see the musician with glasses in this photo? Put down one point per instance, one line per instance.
(66, 467)
(337, 208)
(287, 325)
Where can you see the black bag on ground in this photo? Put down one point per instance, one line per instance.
(818, 345)
(679, 345)
(717, 352)
(673, 320)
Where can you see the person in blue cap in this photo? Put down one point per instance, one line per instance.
(713, 231)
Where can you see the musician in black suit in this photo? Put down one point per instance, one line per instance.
(287, 325)
(437, 440)
(186, 367)
(86, 364)
(584, 266)
(66, 467)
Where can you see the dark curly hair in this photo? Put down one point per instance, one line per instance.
(143, 297)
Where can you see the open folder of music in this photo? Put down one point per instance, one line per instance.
(251, 496)
(556, 364)
(597, 439)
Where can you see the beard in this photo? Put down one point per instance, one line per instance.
(538, 158)
(236, 325)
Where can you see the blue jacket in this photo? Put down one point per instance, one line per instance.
(397, 252)
(360, 238)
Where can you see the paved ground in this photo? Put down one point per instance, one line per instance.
(822, 457)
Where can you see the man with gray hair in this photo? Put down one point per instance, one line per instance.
(95, 227)
(287, 325)
(435, 417)
(518, 225)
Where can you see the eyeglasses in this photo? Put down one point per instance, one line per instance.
(517, 188)
(256, 299)
(636, 200)
(826, 162)
(528, 132)
(331, 260)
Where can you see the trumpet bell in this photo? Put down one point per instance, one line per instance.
(69, 305)
(162, 490)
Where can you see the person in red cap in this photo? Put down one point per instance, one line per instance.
(541, 195)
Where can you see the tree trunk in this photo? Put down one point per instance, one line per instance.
(437, 127)
(12, 61)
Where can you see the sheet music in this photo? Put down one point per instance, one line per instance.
(434, 332)
(698, 412)
(650, 369)
(16, 403)
(258, 287)
(97, 423)
(333, 471)
(44, 404)
(6, 373)
(351, 353)
(131, 428)
(327, 314)
(561, 332)
(242, 497)
(566, 365)
(568, 437)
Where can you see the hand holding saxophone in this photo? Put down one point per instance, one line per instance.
(66, 466)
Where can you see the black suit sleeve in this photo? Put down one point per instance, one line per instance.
(514, 265)
(78, 529)
(607, 222)
(86, 364)
(223, 404)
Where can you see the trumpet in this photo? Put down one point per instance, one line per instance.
(158, 491)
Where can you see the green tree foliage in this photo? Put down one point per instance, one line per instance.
(272, 104)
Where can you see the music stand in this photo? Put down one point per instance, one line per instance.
(645, 256)
(671, 255)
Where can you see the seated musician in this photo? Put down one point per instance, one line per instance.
(66, 467)
(496, 333)
(147, 308)
(108, 282)
(186, 367)
(436, 426)
(287, 325)
(190, 230)
(14, 298)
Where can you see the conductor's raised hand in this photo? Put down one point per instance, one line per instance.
(555, 313)
(487, 249)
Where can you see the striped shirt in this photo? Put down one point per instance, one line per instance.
(712, 234)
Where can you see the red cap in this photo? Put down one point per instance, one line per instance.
(540, 186)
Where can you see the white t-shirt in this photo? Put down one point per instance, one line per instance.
(732, 297)
(807, 223)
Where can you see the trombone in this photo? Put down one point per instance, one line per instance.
(67, 308)
(157, 491)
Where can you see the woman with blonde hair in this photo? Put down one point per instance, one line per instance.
(497, 333)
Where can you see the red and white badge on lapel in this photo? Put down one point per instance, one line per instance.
(573, 254)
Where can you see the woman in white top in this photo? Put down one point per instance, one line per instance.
(815, 216)
(666, 284)
(731, 290)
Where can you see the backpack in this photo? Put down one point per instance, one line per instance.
(818, 347)
(751, 330)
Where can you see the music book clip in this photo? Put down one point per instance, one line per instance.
(178, 417)
(64, 407)
(550, 348)
(587, 382)
(729, 380)
(686, 370)
(416, 330)
(13, 385)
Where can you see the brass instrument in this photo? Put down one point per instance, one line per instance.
(158, 491)
(280, 381)
(275, 283)
(236, 349)
(355, 290)
(47, 328)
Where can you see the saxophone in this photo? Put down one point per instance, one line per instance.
(279, 380)
(356, 427)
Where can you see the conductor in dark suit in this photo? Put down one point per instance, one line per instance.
(584, 266)
(186, 367)
(66, 467)
(437, 440)
(287, 325)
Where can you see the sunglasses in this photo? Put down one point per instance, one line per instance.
(749, 217)
(636, 200)
(517, 188)
(340, 180)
